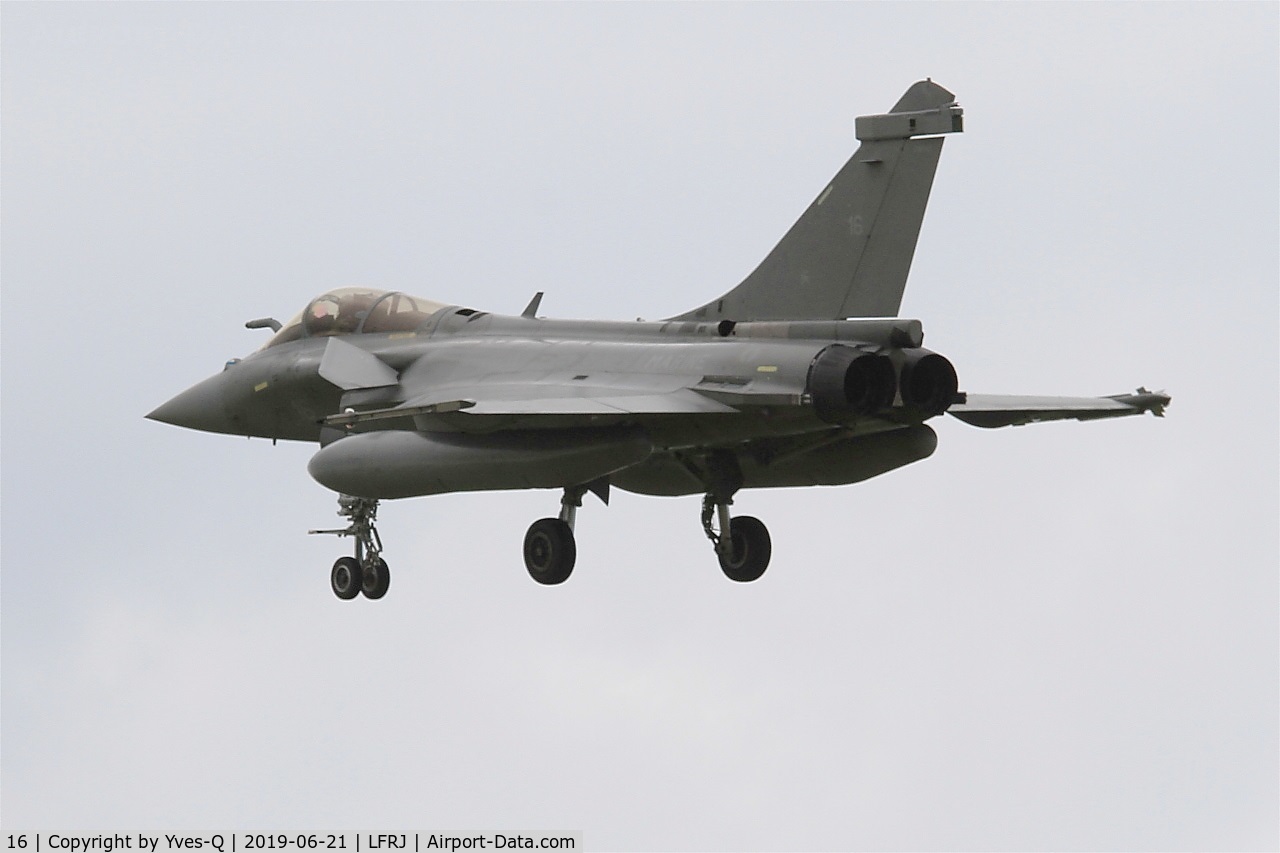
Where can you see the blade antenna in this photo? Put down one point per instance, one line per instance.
(532, 308)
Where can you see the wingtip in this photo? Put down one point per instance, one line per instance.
(1145, 400)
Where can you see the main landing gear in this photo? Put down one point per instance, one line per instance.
(742, 544)
(549, 547)
(366, 572)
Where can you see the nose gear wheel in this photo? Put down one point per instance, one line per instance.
(346, 578)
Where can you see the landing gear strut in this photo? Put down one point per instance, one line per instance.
(366, 572)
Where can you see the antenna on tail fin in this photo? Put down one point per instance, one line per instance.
(849, 253)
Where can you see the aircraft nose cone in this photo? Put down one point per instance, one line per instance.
(201, 407)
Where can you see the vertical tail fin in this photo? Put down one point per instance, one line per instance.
(849, 254)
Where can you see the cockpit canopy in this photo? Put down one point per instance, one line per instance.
(356, 310)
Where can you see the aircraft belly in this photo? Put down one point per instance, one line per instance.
(685, 431)
(850, 461)
(399, 464)
(838, 463)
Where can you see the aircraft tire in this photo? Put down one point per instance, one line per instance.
(346, 578)
(549, 551)
(376, 580)
(752, 549)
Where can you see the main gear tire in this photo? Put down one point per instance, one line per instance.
(750, 548)
(550, 551)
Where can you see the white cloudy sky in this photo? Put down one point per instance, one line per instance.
(1054, 637)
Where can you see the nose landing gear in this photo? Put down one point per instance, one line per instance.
(366, 572)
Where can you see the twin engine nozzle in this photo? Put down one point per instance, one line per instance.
(845, 382)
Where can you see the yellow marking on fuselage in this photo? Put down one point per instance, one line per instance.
(260, 386)
(767, 368)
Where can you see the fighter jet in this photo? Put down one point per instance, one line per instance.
(802, 375)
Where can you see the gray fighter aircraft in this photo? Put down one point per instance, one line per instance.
(801, 375)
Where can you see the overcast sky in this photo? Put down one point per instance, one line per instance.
(1053, 637)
